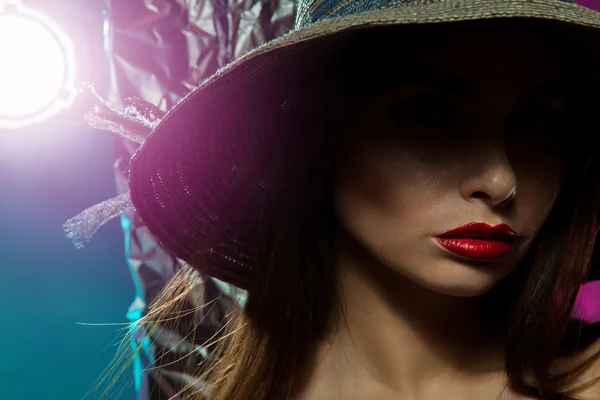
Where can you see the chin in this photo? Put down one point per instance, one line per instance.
(463, 290)
(460, 280)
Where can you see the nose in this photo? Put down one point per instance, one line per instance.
(490, 178)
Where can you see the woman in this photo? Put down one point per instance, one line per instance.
(407, 191)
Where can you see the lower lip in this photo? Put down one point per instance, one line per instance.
(479, 249)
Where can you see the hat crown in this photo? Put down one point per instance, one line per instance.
(312, 11)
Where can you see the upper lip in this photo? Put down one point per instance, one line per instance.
(480, 230)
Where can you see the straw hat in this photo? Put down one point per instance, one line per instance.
(199, 181)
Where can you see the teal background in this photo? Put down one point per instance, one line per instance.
(47, 287)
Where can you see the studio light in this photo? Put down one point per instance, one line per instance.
(37, 67)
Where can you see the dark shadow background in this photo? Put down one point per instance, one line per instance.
(47, 175)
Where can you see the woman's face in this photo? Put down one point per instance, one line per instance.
(473, 134)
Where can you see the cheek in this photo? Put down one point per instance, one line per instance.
(535, 203)
(539, 183)
(378, 196)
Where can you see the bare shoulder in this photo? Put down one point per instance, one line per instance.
(588, 375)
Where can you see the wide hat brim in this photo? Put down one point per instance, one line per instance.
(199, 180)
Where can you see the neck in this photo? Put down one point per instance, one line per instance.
(401, 336)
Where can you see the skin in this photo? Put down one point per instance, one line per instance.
(424, 157)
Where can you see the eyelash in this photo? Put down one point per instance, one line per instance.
(436, 112)
(426, 110)
(541, 123)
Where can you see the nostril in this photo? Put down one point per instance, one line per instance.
(481, 195)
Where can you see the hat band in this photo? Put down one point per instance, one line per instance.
(311, 12)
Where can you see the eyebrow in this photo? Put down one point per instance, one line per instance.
(435, 78)
(564, 88)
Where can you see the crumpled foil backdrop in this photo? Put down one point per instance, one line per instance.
(158, 50)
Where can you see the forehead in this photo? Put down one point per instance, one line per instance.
(500, 55)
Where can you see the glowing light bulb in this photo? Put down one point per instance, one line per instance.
(36, 68)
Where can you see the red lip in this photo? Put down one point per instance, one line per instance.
(479, 240)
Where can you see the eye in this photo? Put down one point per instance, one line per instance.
(541, 123)
(424, 110)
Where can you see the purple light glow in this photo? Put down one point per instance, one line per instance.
(587, 305)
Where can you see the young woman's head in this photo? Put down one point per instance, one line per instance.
(473, 129)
